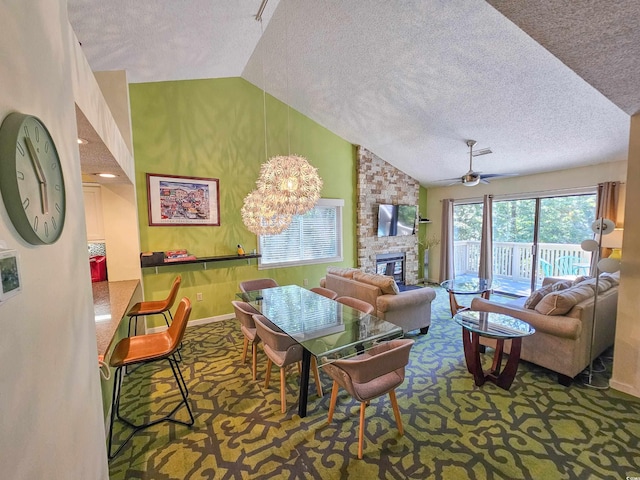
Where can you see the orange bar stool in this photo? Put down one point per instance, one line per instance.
(155, 307)
(149, 348)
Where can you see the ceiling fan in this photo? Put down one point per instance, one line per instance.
(472, 178)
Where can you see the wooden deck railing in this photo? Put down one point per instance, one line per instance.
(513, 260)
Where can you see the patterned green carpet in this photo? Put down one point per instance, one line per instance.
(453, 429)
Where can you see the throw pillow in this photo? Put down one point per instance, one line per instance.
(342, 272)
(581, 278)
(539, 294)
(386, 284)
(559, 303)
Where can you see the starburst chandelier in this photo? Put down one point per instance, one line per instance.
(289, 185)
(260, 219)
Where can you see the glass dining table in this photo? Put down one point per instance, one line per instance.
(325, 328)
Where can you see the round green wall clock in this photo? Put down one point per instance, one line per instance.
(31, 179)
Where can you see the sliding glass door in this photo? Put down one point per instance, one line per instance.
(564, 223)
(514, 237)
(540, 237)
(533, 238)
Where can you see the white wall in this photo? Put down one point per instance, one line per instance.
(51, 422)
(120, 214)
(559, 180)
(626, 359)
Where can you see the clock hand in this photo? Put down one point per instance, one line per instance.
(44, 201)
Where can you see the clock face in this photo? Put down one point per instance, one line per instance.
(31, 179)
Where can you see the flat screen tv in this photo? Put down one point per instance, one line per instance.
(396, 220)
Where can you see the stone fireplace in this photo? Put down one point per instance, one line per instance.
(379, 182)
(392, 265)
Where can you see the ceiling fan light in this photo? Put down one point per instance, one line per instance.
(470, 179)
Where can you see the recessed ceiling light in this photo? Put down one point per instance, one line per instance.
(107, 175)
(82, 141)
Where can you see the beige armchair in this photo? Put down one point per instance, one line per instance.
(325, 292)
(244, 314)
(257, 284)
(367, 376)
(283, 351)
(364, 307)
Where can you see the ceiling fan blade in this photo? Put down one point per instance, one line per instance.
(498, 175)
(482, 151)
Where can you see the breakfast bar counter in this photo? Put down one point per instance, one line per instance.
(111, 301)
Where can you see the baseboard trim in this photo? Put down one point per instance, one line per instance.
(624, 388)
(195, 323)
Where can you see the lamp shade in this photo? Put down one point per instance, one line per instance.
(614, 240)
(609, 265)
(603, 225)
(589, 245)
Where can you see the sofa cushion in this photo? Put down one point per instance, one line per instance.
(614, 278)
(605, 282)
(539, 294)
(559, 303)
(386, 284)
(342, 272)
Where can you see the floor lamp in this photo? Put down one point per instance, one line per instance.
(600, 227)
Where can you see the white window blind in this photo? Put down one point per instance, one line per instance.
(315, 237)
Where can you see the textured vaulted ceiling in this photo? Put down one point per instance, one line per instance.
(547, 84)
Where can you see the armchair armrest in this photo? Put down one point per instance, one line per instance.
(410, 309)
(406, 300)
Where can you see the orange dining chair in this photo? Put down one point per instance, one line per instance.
(257, 284)
(149, 348)
(370, 375)
(282, 350)
(325, 292)
(244, 314)
(155, 307)
(361, 305)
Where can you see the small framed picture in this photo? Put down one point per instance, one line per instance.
(10, 282)
(175, 200)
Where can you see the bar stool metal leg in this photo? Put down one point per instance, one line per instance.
(115, 409)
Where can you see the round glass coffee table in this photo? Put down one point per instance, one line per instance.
(499, 327)
(465, 286)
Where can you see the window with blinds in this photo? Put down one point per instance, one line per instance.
(315, 237)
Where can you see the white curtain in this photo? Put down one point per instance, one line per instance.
(446, 250)
(485, 269)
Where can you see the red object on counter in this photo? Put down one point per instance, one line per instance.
(98, 264)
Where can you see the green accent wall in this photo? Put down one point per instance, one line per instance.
(215, 128)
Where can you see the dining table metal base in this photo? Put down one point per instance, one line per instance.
(303, 395)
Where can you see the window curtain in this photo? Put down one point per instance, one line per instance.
(446, 250)
(485, 269)
(606, 207)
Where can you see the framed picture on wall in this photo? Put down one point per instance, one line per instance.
(174, 200)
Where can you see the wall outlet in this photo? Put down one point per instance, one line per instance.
(199, 296)
(305, 282)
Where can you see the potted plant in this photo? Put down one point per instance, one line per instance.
(427, 243)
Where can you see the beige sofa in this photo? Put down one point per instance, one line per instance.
(562, 340)
(410, 309)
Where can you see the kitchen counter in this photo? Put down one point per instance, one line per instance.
(111, 301)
